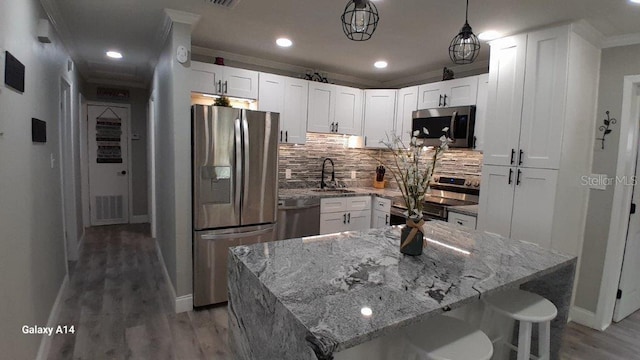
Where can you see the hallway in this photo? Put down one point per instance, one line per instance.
(118, 301)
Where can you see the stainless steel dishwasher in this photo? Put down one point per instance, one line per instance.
(298, 218)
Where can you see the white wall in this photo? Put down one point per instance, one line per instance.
(32, 257)
(173, 160)
(616, 63)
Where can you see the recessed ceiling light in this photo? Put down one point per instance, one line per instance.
(490, 35)
(635, 1)
(114, 54)
(284, 42)
(380, 64)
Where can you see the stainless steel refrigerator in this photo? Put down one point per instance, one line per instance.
(235, 190)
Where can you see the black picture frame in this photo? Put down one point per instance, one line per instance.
(38, 131)
(14, 72)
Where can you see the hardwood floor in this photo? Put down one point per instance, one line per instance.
(118, 301)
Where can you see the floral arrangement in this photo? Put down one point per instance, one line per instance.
(411, 169)
(222, 101)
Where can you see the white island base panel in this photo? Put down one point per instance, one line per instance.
(304, 298)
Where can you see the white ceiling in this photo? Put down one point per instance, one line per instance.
(413, 35)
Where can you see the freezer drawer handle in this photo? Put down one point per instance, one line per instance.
(237, 235)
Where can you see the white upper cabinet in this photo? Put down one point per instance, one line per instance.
(527, 97)
(504, 101)
(543, 110)
(407, 103)
(222, 80)
(334, 109)
(296, 95)
(322, 104)
(481, 111)
(348, 111)
(380, 109)
(288, 97)
(204, 77)
(457, 92)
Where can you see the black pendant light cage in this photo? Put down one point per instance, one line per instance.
(360, 20)
(465, 46)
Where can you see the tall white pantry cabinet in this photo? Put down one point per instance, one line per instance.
(539, 137)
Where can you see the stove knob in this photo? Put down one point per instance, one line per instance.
(476, 183)
(467, 183)
(436, 179)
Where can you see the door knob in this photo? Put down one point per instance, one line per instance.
(123, 172)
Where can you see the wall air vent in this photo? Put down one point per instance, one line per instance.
(224, 3)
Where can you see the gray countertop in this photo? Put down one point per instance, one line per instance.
(471, 210)
(284, 194)
(320, 284)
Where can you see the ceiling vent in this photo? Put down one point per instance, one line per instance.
(224, 3)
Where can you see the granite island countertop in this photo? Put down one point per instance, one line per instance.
(315, 288)
(471, 210)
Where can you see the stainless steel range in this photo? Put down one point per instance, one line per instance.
(445, 192)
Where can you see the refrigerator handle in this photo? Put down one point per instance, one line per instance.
(245, 155)
(238, 235)
(238, 166)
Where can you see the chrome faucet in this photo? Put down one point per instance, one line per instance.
(333, 173)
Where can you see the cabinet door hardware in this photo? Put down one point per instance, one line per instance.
(336, 127)
(344, 218)
(219, 86)
(459, 222)
(365, 141)
(225, 87)
(445, 99)
(349, 218)
(386, 219)
(633, 208)
(513, 154)
(518, 178)
(510, 175)
(280, 135)
(286, 136)
(440, 101)
(520, 155)
(332, 127)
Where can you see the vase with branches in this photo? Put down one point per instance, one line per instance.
(412, 167)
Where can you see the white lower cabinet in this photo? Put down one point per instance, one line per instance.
(467, 221)
(518, 203)
(345, 214)
(380, 212)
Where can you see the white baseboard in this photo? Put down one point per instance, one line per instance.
(54, 315)
(583, 317)
(139, 219)
(182, 303)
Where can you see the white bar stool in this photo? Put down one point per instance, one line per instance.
(527, 308)
(447, 338)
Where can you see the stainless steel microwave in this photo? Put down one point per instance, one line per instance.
(460, 122)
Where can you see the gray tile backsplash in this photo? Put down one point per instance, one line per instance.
(305, 162)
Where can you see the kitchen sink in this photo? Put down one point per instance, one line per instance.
(334, 190)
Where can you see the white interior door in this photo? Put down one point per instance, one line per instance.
(108, 131)
(628, 300)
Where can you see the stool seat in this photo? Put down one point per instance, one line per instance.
(446, 338)
(522, 305)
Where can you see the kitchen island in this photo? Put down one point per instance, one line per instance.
(312, 297)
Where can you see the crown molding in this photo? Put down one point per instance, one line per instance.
(57, 21)
(588, 32)
(621, 40)
(182, 17)
(258, 64)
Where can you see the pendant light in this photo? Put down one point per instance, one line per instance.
(359, 20)
(465, 46)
